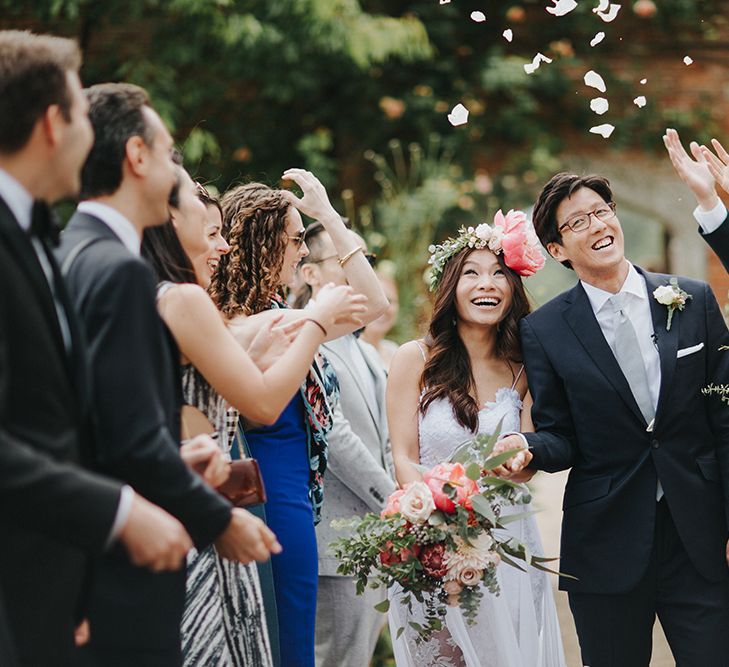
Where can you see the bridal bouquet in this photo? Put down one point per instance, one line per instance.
(440, 539)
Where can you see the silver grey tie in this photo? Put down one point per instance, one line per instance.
(630, 360)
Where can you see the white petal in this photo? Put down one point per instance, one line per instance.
(597, 39)
(594, 80)
(602, 6)
(540, 58)
(610, 14)
(599, 105)
(458, 115)
(604, 130)
(643, 82)
(508, 34)
(687, 60)
(640, 101)
(445, 2)
(562, 7)
(479, 17)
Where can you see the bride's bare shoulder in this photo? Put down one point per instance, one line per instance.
(411, 354)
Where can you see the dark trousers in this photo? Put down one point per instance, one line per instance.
(616, 630)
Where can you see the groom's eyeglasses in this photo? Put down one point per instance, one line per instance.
(582, 221)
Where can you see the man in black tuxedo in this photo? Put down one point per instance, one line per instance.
(617, 398)
(128, 178)
(53, 513)
(701, 171)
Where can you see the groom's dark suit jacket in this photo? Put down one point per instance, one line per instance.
(719, 242)
(135, 366)
(586, 419)
(52, 512)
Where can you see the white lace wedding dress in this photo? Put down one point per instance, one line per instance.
(517, 628)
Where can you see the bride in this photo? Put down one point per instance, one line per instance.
(463, 379)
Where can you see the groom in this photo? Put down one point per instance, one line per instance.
(617, 398)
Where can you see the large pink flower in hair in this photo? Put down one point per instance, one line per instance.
(519, 243)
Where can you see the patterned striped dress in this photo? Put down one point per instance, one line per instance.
(224, 622)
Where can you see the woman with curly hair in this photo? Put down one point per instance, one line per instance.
(466, 377)
(264, 229)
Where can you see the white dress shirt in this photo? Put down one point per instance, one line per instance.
(120, 225)
(638, 310)
(20, 203)
(710, 221)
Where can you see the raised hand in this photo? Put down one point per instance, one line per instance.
(246, 539)
(153, 538)
(272, 340)
(338, 305)
(315, 202)
(692, 169)
(203, 455)
(718, 164)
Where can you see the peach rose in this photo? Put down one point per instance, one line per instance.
(393, 503)
(453, 589)
(519, 243)
(416, 504)
(470, 576)
(454, 474)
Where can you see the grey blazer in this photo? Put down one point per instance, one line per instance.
(359, 473)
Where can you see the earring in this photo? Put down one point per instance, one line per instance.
(454, 321)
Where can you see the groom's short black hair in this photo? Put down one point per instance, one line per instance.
(559, 187)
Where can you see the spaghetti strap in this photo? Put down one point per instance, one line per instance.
(422, 351)
(518, 375)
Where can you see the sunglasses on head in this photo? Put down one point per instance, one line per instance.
(299, 239)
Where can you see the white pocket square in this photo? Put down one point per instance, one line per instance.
(689, 350)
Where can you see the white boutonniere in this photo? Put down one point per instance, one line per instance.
(673, 297)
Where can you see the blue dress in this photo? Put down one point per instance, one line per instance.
(281, 451)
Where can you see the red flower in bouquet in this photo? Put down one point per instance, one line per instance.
(391, 556)
(431, 558)
(455, 475)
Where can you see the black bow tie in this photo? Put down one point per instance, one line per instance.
(44, 224)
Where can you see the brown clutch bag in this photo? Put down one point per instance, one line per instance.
(244, 486)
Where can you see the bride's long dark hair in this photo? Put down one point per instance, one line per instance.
(449, 364)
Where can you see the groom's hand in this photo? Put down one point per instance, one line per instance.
(513, 468)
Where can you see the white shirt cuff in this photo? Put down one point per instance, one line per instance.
(521, 435)
(710, 221)
(122, 514)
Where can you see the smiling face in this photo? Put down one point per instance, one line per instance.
(483, 292)
(161, 171)
(598, 251)
(217, 247)
(294, 251)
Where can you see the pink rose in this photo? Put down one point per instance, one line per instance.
(431, 558)
(393, 503)
(454, 474)
(519, 243)
(453, 590)
(470, 576)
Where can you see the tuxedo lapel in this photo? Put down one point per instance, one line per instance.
(581, 319)
(22, 248)
(667, 341)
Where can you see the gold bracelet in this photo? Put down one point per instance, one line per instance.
(323, 330)
(349, 255)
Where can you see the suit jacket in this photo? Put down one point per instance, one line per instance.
(138, 398)
(359, 471)
(586, 419)
(52, 512)
(719, 242)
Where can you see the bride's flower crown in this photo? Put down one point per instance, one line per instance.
(511, 234)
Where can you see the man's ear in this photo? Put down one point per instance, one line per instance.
(135, 152)
(310, 274)
(557, 251)
(52, 125)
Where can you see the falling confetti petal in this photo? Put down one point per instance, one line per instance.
(643, 82)
(610, 14)
(640, 101)
(540, 58)
(508, 34)
(602, 7)
(605, 130)
(445, 2)
(562, 7)
(479, 17)
(594, 80)
(458, 116)
(687, 60)
(597, 39)
(599, 105)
